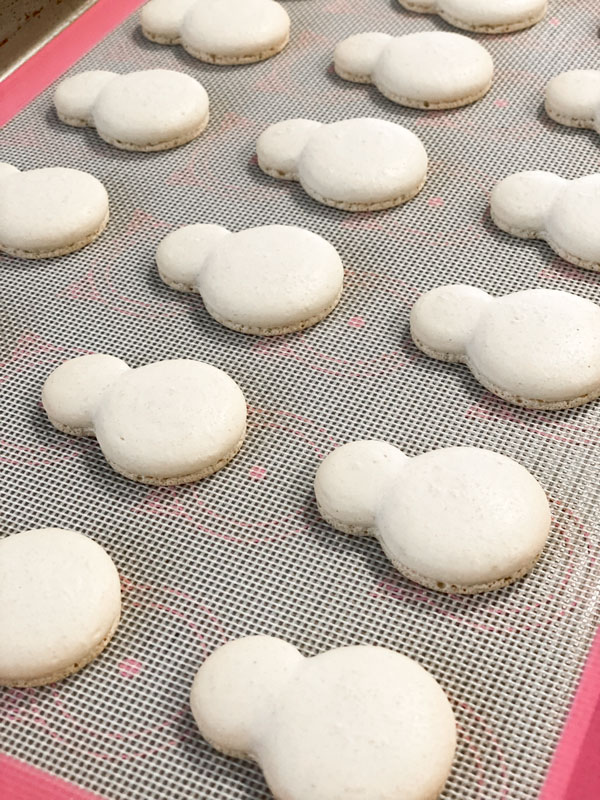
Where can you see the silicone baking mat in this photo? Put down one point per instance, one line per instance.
(245, 551)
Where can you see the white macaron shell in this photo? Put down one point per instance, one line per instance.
(60, 596)
(574, 95)
(234, 28)
(464, 517)
(170, 419)
(538, 344)
(433, 67)
(572, 223)
(271, 277)
(362, 161)
(491, 12)
(50, 208)
(360, 722)
(150, 107)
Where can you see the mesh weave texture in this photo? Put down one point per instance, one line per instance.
(245, 551)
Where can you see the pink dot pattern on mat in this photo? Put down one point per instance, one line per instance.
(356, 322)
(257, 473)
(554, 21)
(435, 202)
(129, 668)
(500, 102)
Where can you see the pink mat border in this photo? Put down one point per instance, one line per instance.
(21, 781)
(60, 53)
(575, 770)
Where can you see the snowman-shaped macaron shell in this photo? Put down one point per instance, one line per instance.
(483, 16)
(539, 348)
(149, 110)
(219, 31)
(564, 213)
(268, 280)
(359, 722)
(461, 519)
(362, 164)
(165, 423)
(429, 69)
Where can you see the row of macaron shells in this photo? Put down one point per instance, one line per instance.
(357, 491)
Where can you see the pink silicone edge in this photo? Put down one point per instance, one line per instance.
(575, 770)
(21, 781)
(38, 72)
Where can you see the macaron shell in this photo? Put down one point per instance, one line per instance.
(433, 69)
(271, 278)
(540, 346)
(151, 108)
(235, 31)
(463, 519)
(60, 601)
(50, 211)
(171, 422)
(362, 163)
(358, 722)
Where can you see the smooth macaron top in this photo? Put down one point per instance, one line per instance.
(171, 421)
(429, 69)
(264, 280)
(353, 163)
(356, 721)
(49, 209)
(142, 109)
(537, 347)
(458, 519)
(60, 597)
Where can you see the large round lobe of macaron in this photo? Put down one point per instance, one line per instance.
(235, 30)
(271, 278)
(363, 162)
(171, 422)
(572, 222)
(433, 69)
(493, 13)
(362, 722)
(464, 519)
(60, 602)
(50, 209)
(150, 107)
(538, 345)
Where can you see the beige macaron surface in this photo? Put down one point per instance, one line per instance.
(166, 423)
(361, 721)
(148, 110)
(538, 348)
(461, 520)
(49, 212)
(483, 16)
(219, 31)
(429, 70)
(573, 98)
(268, 280)
(60, 603)
(564, 213)
(357, 164)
